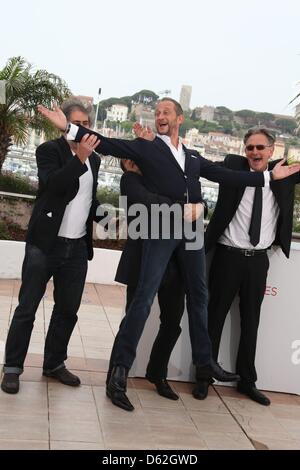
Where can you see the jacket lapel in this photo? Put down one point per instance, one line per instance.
(188, 158)
(246, 167)
(272, 186)
(162, 146)
(65, 149)
(92, 160)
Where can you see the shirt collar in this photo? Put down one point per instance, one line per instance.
(167, 140)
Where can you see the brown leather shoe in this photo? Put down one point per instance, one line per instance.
(10, 383)
(64, 376)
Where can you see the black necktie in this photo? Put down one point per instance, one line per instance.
(255, 224)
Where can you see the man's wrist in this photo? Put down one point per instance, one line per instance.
(67, 129)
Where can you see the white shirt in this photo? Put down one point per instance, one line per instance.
(236, 234)
(178, 154)
(73, 224)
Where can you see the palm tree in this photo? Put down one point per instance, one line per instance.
(25, 89)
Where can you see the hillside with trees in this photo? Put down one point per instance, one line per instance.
(224, 119)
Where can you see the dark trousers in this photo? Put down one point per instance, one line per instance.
(67, 263)
(231, 272)
(156, 255)
(171, 303)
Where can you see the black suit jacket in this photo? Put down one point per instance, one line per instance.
(163, 175)
(132, 185)
(230, 198)
(58, 172)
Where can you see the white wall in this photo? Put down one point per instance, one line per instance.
(278, 346)
(101, 269)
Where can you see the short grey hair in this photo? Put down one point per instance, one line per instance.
(260, 130)
(76, 104)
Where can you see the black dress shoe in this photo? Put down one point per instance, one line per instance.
(10, 383)
(119, 399)
(251, 391)
(163, 388)
(201, 389)
(116, 388)
(215, 370)
(64, 376)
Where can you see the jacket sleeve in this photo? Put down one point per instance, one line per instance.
(56, 178)
(236, 178)
(132, 186)
(119, 148)
(295, 178)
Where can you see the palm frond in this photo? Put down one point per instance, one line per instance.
(25, 89)
(294, 99)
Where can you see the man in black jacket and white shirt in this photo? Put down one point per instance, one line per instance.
(245, 223)
(59, 244)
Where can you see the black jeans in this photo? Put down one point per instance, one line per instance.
(67, 263)
(171, 303)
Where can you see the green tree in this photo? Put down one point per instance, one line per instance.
(112, 124)
(127, 126)
(265, 118)
(249, 117)
(286, 125)
(145, 96)
(133, 117)
(226, 126)
(186, 126)
(223, 114)
(246, 114)
(25, 89)
(206, 126)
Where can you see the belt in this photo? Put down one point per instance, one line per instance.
(70, 240)
(242, 251)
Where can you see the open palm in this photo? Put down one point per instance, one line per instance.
(56, 116)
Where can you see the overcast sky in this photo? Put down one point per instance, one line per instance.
(243, 54)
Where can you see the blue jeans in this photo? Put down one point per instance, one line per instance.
(156, 254)
(67, 263)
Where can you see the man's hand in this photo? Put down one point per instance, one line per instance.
(84, 149)
(143, 132)
(279, 171)
(192, 212)
(56, 116)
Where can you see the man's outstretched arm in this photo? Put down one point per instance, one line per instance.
(120, 148)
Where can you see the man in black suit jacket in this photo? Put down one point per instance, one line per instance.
(59, 243)
(170, 293)
(170, 170)
(240, 263)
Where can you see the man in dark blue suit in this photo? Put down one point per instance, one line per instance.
(170, 170)
(170, 293)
